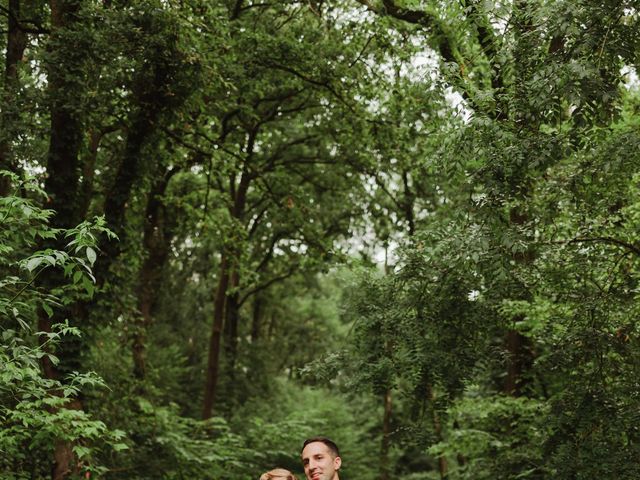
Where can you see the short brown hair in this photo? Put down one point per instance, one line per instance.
(278, 473)
(327, 441)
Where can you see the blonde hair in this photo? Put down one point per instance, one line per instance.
(278, 473)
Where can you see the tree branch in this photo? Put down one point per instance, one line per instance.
(441, 40)
(610, 240)
(292, 269)
(185, 144)
(318, 83)
(37, 28)
(487, 40)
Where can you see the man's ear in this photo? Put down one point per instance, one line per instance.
(337, 462)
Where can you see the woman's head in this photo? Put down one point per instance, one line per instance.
(278, 474)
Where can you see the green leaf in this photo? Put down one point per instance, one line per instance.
(47, 309)
(33, 263)
(88, 286)
(91, 255)
(81, 451)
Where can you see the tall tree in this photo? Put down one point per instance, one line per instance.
(65, 64)
(275, 141)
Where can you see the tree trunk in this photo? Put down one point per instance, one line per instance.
(63, 460)
(385, 444)
(519, 353)
(229, 261)
(152, 98)
(216, 335)
(117, 198)
(443, 467)
(88, 173)
(519, 362)
(273, 324)
(65, 463)
(16, 44)
(61, 186)
(156, 242)
(386, 432)
(256, 319)
(232, 316)
(63, 176)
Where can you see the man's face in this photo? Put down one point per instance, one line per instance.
(319, 462)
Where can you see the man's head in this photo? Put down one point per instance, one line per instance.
(321, 459)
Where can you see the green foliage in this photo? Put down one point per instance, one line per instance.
(164, 444)
(538, 244)
(489, 150)
(37, 411)
(496, 436)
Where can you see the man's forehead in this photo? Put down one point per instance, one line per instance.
(314, 448)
